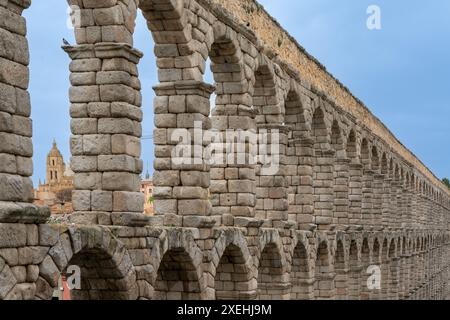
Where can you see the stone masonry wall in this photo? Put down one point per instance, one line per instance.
(345, 196)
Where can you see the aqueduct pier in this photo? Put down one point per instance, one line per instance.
(347, 194)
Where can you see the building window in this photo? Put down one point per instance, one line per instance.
(56, 175)
(53, 162)
(51, 175)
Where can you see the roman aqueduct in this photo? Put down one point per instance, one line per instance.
(347, 194)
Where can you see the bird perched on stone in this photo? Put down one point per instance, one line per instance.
(66, 42)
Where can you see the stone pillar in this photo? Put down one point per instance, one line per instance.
(354, 281)
(272, 191)
(304, 200)
(341, 193)
(407, 275)
(386, 206)
(414, 209)
(422, 209)
(367, 198)
(401, 276)
(182, 170)
(398, 211)
(393, 211)
(394, 274)
(234, 177)
(106, 129)
(385, 277)
(365, 261)
(323, 189)
(377, 209)
(409, 206)
(16, 147)
(355, 194)
(342, 283)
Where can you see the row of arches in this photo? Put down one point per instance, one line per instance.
(306, 267)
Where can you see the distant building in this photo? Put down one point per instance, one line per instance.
(147, 190)
(56, 191)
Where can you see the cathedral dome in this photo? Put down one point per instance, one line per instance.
(54, 152)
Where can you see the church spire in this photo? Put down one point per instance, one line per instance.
(147, 175)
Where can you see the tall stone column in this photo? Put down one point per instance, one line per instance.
(403, 277)
(182, 171)
(409, 214)
(355, 195)
(272, 190)
(421, 209)
(354, 281)
(386, 206)
(341, 193)
(398, 205)
(393, 211)
(304, 197)
(106, 129)
(394, 282)
(234, 179)
(377, 209)
(323, 189)
(16, 147)
(414, 208)
(367, 198)
(385, 276)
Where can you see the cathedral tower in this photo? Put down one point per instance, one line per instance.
(55, 165)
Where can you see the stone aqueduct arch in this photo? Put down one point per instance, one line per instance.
(345, 196)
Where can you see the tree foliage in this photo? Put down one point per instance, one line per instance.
(446, 181)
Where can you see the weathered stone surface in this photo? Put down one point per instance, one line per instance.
(19, 212)
(7, 281)
(13, 235)
(48, 235)
(49, 271)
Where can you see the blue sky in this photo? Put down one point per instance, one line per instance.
(402, 72)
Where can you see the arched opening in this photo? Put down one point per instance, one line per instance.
(301, 275)
(177, 277)
(365, 154)
(323, 181)
(265, 98)
(272, 142)
(352, 152)
(375, 159)
(233, 276)
(101, 278)
(232, 111)
(295, 117)
(272, 280)
(298, 172)
(53, 19)
(324, 285)
(98, 269)
(354, 280)
(320, 132)
(341, 268)
(337, 141)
